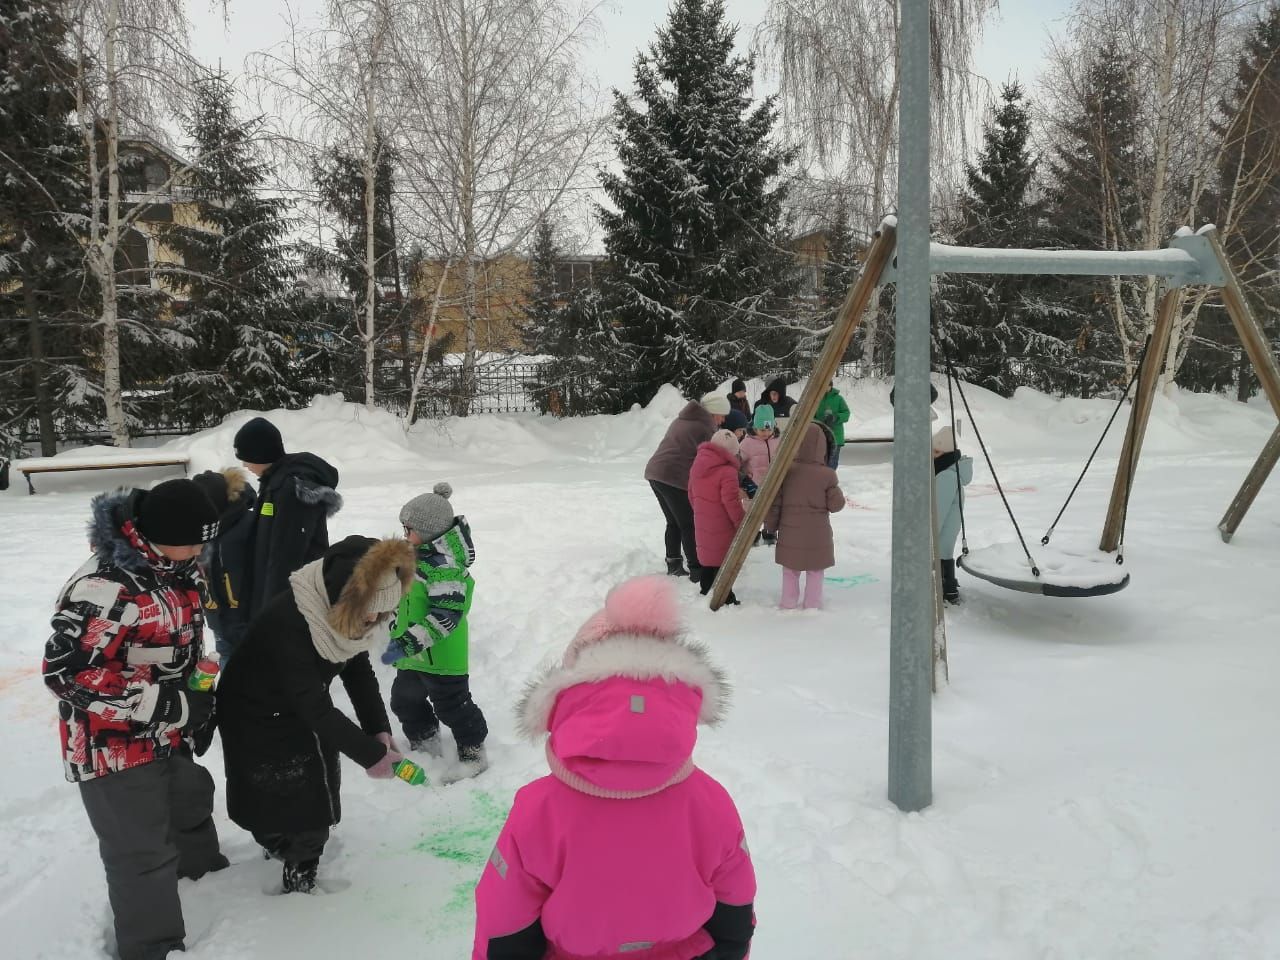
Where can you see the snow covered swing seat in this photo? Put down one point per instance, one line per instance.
(1063, 571)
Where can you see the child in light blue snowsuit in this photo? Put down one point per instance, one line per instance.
(951, 472)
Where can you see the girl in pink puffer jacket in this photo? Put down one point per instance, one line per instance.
(627, 850)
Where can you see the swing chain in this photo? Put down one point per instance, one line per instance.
(1098, 446)
(959, 387)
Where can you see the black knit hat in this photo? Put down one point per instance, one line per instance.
(258, 441)
(739, 386)
(176, 513)
(214, 486)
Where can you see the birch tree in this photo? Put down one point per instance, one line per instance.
(332, 89)
(837, 66)
(130, 61)
(1182, 53)
(494, 131)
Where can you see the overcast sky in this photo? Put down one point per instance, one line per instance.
(1013, 43)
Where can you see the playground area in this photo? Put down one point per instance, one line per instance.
(1100, 778)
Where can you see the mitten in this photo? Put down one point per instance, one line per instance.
(385, 768)
(393, 652)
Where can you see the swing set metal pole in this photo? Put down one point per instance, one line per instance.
(911, 629)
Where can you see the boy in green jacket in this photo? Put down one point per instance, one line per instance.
(834, 413)
(429, 641)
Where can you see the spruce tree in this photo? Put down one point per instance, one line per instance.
(841, 267)
(1248, 211)
(995, 328)
(699, 271)
(1094, 201)
(540, 311)
(44, 375)
(238, 270)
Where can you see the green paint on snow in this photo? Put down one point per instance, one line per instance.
(466, 839)
(854, 581)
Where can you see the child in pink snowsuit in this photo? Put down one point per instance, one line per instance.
(802, 516)
(627, 850)
(717, 505)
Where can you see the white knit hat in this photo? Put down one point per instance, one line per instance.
(715, 403)
(944, 441)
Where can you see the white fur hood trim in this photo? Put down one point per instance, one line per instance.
(623, 655)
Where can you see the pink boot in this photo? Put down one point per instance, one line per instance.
(813, 589)
(790, 588)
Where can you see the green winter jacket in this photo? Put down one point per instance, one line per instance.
(833, 406)
(431, 624)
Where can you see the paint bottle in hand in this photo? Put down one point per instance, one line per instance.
(411, 773)
(204, 677)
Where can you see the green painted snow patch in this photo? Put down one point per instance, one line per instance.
(854, 581)
(465, 837)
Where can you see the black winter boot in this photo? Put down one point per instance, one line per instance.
(301, 877)
(770, 538)
(675, 567)
(950, 586)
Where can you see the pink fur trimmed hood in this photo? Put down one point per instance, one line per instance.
(638, 636)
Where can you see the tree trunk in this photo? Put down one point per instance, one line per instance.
(370, 164)
(466, 199)
(39, 370)
(421, 375)
(1163, 136)
(112, 393)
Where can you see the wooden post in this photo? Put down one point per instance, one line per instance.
(1252, 484)
(1140, 415)
(824, 369)
(1251, 334)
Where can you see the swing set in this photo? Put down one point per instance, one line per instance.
(1191, 259)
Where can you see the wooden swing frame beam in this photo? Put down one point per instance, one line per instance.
(1190, 259)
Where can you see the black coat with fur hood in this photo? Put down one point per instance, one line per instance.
(226, 560)
(281, 732)
(296, 498)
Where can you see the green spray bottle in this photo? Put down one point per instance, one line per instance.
(410, 773)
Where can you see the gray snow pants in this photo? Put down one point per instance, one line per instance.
(154, 824)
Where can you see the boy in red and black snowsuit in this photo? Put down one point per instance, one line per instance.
(126, 634)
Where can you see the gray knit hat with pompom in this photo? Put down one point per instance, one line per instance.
(429, 514)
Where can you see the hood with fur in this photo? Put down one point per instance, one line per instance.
(624, 704)
(315, 480)
(355, 570)
(108, 513)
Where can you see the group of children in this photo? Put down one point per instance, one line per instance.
(624, 848)
(732, 465)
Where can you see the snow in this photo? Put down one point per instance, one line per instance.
(1063, 565)
(1104, 783)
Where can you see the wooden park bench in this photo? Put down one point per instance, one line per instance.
(131, 460)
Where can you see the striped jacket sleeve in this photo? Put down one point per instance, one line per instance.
(433, 608)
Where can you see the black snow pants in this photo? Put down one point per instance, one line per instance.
(679, 515)
(423, 701)
(299, 847)
(154, 824)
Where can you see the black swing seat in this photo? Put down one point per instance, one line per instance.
(1064, 571)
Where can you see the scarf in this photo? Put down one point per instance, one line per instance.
(312, 597)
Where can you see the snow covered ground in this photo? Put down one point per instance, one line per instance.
(1105, 770)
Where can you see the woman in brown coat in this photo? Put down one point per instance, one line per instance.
(802, 516)
(668, 474)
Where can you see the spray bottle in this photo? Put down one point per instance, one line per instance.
(205, 676)
(410, 773)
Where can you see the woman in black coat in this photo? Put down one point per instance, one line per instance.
(281, 733)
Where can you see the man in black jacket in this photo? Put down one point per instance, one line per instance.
(296, 497)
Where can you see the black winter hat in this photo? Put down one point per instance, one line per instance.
(176, 513)
(736, 420)
(214, 486)
(258, 441)
(739, 386)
